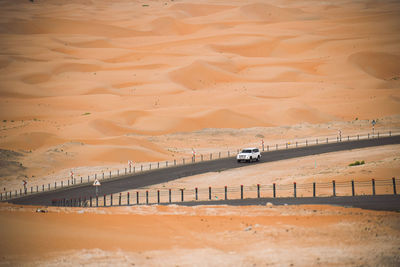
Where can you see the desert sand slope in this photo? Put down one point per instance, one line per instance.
(201, 236)
(90, 83)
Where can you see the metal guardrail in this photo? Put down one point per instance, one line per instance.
(137, 169)
(174, 195)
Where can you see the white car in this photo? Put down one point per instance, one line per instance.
(249, 154)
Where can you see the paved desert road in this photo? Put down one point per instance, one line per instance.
(381, 202)
(157, 176)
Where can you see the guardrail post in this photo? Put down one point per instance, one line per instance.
(209, 192)
(42, 187)
(226, 192)
(105, 201)
(182, 195)
(174, 162)
(37, 188)
(158, 165)
(296, 144)
(241, 191)
(130, 168)
(286, 145)
(120, 198)
(158, 196)
(170, 195)
(313, 189)
(306, 142)
(201, 157)
(316, 141)
(219, 154)
(352, 188)
(48, 186)
(82, 179)
(210, 156)
(134, 169)
(258, 190)
(378, 134)
(128, 199)
(31, 189)
(334, 188)
(196, 191)
(68, 182)
(126, 171)
(111, 200)
(74, 180)
(97, 201)
(358, 137)
(183, 161)
(390, 133)
(348, 138)
(88, 178)
(102, 177)
(229, 153)
(55, 185)
(147, 197)
(118, 172)
(373, 187)
(137, 197)
(276, 146)
(267, 148)
(327, 140)
(274, 189)
(20, 192)
(394, 186)
(90, 201)
(294, 190)
(150, 166)
(110, 174)
(368, 135)
(337, 139)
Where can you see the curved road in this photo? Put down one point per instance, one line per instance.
(163, 175)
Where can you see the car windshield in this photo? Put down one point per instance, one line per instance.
(246, 151)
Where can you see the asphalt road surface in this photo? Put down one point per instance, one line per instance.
(163, 175)
(381, 202)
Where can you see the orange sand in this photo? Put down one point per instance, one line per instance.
(94, 83)
(184, 236)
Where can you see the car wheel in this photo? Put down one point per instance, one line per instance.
(258, 158)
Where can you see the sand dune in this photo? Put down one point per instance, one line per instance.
(195, 10)
(118, 76)
(270, 13)
(65, 26)
(383, 66)
(200, 75)
(168, 26)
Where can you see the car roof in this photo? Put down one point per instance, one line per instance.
(250, 148)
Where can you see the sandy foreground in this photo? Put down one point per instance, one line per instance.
(88, 85)
(199, 236)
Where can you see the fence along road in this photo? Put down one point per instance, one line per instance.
(158, 176)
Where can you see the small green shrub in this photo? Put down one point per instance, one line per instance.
(4, 120)
(356, 163)
(86, 113)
